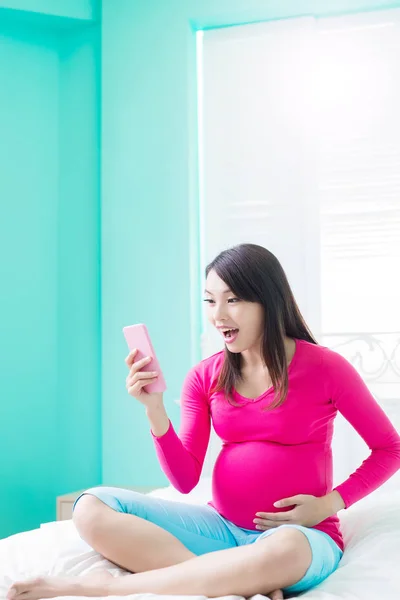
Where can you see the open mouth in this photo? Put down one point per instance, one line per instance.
(229, 334)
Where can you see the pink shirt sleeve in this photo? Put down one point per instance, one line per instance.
(182, 456)
(351, 396)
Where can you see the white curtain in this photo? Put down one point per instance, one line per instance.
(299, 146)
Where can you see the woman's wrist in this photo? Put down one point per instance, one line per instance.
(332, 503)
(159, 420)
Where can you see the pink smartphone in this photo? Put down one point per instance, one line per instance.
(138, 337)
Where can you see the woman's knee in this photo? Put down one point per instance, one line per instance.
(288, 546)
(88, 515)
(295, 547)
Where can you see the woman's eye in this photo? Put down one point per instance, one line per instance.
(230, 300)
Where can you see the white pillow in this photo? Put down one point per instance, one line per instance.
(369, 569)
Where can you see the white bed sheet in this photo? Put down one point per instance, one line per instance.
(369, 569)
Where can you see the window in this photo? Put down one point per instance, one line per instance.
(299, 133)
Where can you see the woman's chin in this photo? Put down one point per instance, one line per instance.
(234, 348)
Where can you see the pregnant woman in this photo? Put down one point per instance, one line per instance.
(272, 395)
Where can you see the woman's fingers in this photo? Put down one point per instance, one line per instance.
(135, 389)
(267, 525)
(131, 357)
(137, 379)
(134, 367)
(132, 379)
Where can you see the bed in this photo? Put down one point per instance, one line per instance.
(369, 569)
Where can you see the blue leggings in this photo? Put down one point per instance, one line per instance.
(202, 529)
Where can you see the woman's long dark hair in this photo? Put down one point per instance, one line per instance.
(255, 275)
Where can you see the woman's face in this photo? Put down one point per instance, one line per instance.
(225, 311)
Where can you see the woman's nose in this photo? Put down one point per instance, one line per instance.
(219, 313)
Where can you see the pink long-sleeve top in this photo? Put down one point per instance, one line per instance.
(270, 455)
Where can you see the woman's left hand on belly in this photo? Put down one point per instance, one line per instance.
(308, 511)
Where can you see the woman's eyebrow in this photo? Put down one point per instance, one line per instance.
(223, 292)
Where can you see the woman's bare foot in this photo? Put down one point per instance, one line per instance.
(276, 595)
(93, 584)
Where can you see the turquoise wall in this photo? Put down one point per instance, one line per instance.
(86, 10)
(50, 266)
(149, 257)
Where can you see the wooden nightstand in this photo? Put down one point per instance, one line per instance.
(66, 502)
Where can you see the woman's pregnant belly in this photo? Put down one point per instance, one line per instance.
(249, 477)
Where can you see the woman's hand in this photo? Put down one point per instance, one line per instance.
(308, 511)
(137, 379)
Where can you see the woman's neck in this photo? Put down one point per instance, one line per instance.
(253, 360)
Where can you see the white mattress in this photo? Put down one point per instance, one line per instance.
(369, 569)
